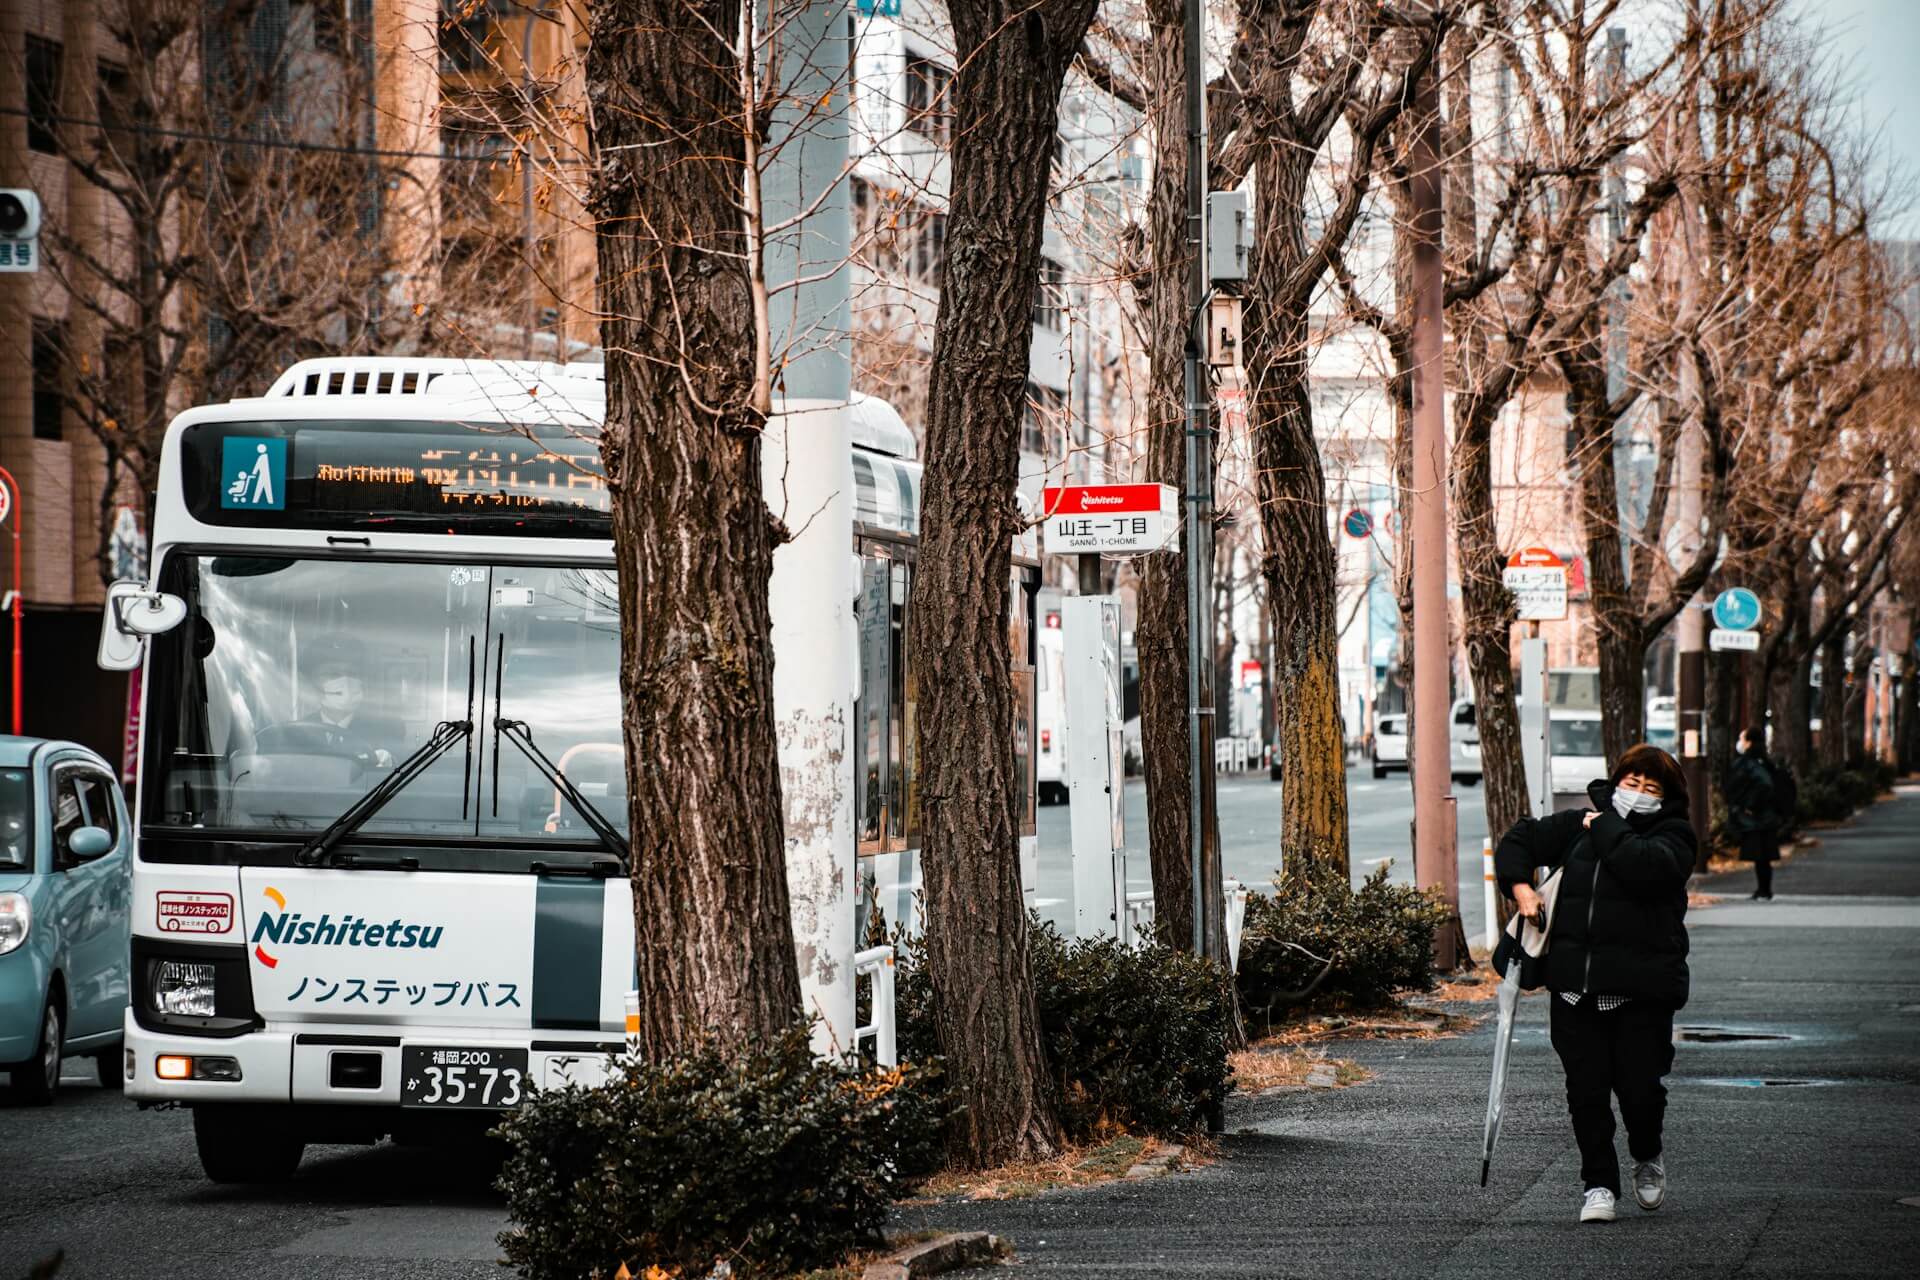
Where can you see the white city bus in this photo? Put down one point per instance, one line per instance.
(381, 876)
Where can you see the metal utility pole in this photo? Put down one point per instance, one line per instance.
(1199, 462)
(1691, 630)
(1436, 862)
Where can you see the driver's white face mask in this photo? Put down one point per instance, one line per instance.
(1627, 802)
(341, 696)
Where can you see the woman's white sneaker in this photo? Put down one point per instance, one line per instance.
(1598, 1206)
(1650, 1184)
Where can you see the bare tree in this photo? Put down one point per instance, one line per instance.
(1568, 127)
(224, 221)
(676, 122)
(1306, 73)
(1013, 61)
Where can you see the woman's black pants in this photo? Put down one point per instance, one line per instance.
(1763, 877)
(1619, 1054)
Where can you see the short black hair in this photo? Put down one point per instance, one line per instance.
(1650, 761)
(1757, 735)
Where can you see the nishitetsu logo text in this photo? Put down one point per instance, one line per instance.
(290, 928)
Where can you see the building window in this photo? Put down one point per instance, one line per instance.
(464, 28)
(1050, 296)
(929, 99)
(1044, 421)
(43, 94)
(113, 101)
(897, 237)
(48, 402)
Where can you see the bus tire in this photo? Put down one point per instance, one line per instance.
(236, 1147)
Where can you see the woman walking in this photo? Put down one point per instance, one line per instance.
(1616, 961)
(1753, 809)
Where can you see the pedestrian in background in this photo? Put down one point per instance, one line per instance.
(1616, 961)
(1753, 809)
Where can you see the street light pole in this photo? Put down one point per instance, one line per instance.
(1436, 862)
(1199, 460)
(11, 515)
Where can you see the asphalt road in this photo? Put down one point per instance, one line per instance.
(120, 1190)
(1380, 817)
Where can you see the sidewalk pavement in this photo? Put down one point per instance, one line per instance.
(1787, 1157)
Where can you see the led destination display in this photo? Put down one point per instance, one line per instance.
(378, 474)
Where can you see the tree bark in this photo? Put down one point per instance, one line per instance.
(1833, 700)
(1297, 563)
(693, 539)
(1012, 59)
(1488, 617)
(1618, 629)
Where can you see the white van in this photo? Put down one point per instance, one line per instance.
(1578, 753)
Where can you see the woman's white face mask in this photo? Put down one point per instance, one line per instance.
(1627, 802)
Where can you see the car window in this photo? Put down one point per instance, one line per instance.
(16, 818)
(96, 797)
(68, 815)
(1463, 714)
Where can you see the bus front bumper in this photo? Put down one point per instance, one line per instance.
(349, 1066)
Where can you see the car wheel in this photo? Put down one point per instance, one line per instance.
(37, 1080)
(112, 1066)
(1379, 770)
(235, 1147)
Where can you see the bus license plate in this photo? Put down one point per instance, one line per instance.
(446, 1076)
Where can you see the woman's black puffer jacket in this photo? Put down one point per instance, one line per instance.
(1619, 926)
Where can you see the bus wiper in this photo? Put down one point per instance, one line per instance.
(516, 732)
(445, 734)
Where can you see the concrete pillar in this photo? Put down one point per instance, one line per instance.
(809, 485)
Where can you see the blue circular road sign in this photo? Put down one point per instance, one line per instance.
(1358, 523)
(1736, 609)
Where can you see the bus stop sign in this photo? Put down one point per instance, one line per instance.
(1110, 517)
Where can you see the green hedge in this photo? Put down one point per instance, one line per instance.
(771, 1159)
(1380, 940)
(1135, 1037)
(1828, 794)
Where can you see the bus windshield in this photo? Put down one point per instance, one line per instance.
(296, 685)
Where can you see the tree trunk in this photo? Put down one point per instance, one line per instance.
(1617, 624)
(1907, 722)
(1013, 59)
(1161, 631)
(693, 539)
(1833, 700)
(1298, 557)
(1488, 619)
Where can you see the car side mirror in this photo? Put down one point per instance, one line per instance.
(89, 842)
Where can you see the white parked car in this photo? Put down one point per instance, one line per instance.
(1578, 754)
(1663, 723)
(1463, 737)
(1389, 744)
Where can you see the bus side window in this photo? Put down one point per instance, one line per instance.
(903, 792)
(871, 707)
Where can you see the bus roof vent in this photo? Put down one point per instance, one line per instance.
(878, 426)
(382, 376)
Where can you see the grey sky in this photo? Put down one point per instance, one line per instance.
(1878, 41)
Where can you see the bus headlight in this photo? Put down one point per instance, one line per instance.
(183, 986)
(16, 918)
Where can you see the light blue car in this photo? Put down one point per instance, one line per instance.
(65, 896)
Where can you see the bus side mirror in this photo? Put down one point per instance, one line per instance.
(133, 613)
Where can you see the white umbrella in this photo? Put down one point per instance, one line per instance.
(1527, 943)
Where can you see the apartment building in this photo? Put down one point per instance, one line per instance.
(57, 62)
